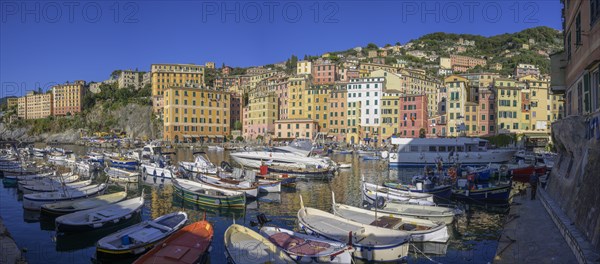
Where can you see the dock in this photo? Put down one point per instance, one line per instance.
(530, 234)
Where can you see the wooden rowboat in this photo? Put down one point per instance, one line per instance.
(243, 245)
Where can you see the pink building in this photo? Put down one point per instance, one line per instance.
(295, 128)
(487, 111)
(413, 115)
(324, 73)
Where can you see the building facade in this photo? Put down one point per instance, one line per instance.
(304, 67)
(38, 105)
(413, 116)
(324, 73)
(260, 115)
(196, 115)
(295, 128)
(165, 76)
(68, 98)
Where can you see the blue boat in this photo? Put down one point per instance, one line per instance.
(127, 164)
(483, 192)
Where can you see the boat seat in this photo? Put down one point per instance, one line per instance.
(387, 222)
(146, 235)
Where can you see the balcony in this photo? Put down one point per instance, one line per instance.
(558, 65)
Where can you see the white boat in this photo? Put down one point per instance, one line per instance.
(308, 249)
(137, 239)
(429, 151)
(294, 158)
(239, 175)
(59, 160)
(420, 230)
(371, 243)
(64, 178)
(433, 213)
(55, 187)
(345, 165)
(250, 189)
(152, 173)
(119, 175)
(243, 245)
(34, 201)
(201, 164)
(104, 216)
(215, 148)
(378, 195)
(67, 207)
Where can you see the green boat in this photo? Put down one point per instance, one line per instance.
(204, 194)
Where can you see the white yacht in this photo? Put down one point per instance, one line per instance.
(466, 151)
(293, 158)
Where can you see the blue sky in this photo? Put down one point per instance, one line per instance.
(42, 43)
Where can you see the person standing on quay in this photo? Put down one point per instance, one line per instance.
(533, 181)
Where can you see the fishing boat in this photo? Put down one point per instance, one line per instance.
(67, 207)
(34, 201)
(69, 178)
(371, 243)
(123, 163)
(13, 179)
(243, 245)
(423, 185)
(188, 245)
(204, 194)
(487, 192)
(420, 230)
(411, 152)
(55, 187)
(201, 164)
(119, 175)
(245, 178)
(433, 213)
(378, 195)
(100, 217)
(307, 249)
(137, 239)
(153, 173)
(250, 189)
(285, 179)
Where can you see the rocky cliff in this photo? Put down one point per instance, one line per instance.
(574, 183)
(134, 119)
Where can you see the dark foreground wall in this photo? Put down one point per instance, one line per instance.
(575, 180)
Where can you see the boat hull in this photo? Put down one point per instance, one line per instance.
(498, 194)
(36, 203)
(209, 200)
(68, 228)
(438, 191)
(420, 159)
(156, 176)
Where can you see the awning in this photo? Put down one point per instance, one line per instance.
(220, 136)
(187, 136)
(211, 136)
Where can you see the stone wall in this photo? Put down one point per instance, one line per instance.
(575, 180)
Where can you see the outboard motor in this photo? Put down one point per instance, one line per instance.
(226, 166)
(261, 220)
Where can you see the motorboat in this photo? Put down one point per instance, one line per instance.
(201, 164)
(294, 158)
(417, 152)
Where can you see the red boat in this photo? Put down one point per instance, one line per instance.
(188, 245)
(522, 174)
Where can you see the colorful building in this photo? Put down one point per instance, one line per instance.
(509, 105)
(22, 107)
(296, 87)
(390, 114)
(295, 128)
(68, 98)
(196, 114)
(260, 115)
(38, 105)
(338, 123)
(316, 105)
(165, 76)
(324, 72)
(303, 67)
(413, 116)
(364, 99)
(464, 63)
(458, 93)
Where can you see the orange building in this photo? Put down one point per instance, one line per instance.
(68, 98)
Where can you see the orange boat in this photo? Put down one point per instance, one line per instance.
(188, 245)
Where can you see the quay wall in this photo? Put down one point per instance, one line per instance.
(574, 182)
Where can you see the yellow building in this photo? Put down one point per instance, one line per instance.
(165, 76)
(68, 98)
(389, 113)
(509, 109)
(354, 133)
(458, 90)
(209, 65)
(316, 105)
(12, 102)
(260, 115)
(295, 128)
(296, 87)
(195, 115)
(38, 105)
(303, 67)
(22, 107)
(539, 106)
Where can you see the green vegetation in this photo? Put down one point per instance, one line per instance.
(501, 140)
(112, 97)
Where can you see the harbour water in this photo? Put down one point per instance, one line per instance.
(474, 236)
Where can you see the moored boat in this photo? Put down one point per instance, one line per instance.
(250, 189)
(243, 245)
(34, 201)
(100, 217)
(204, 194)
(67, 207)
(188, 245)
(54, 187)
(420, 230)
(433, 213)
(137, 239)
(307, 249)
(119, 175)
(441, 191)
(371, 243)
(487, 192)
(377, 195)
